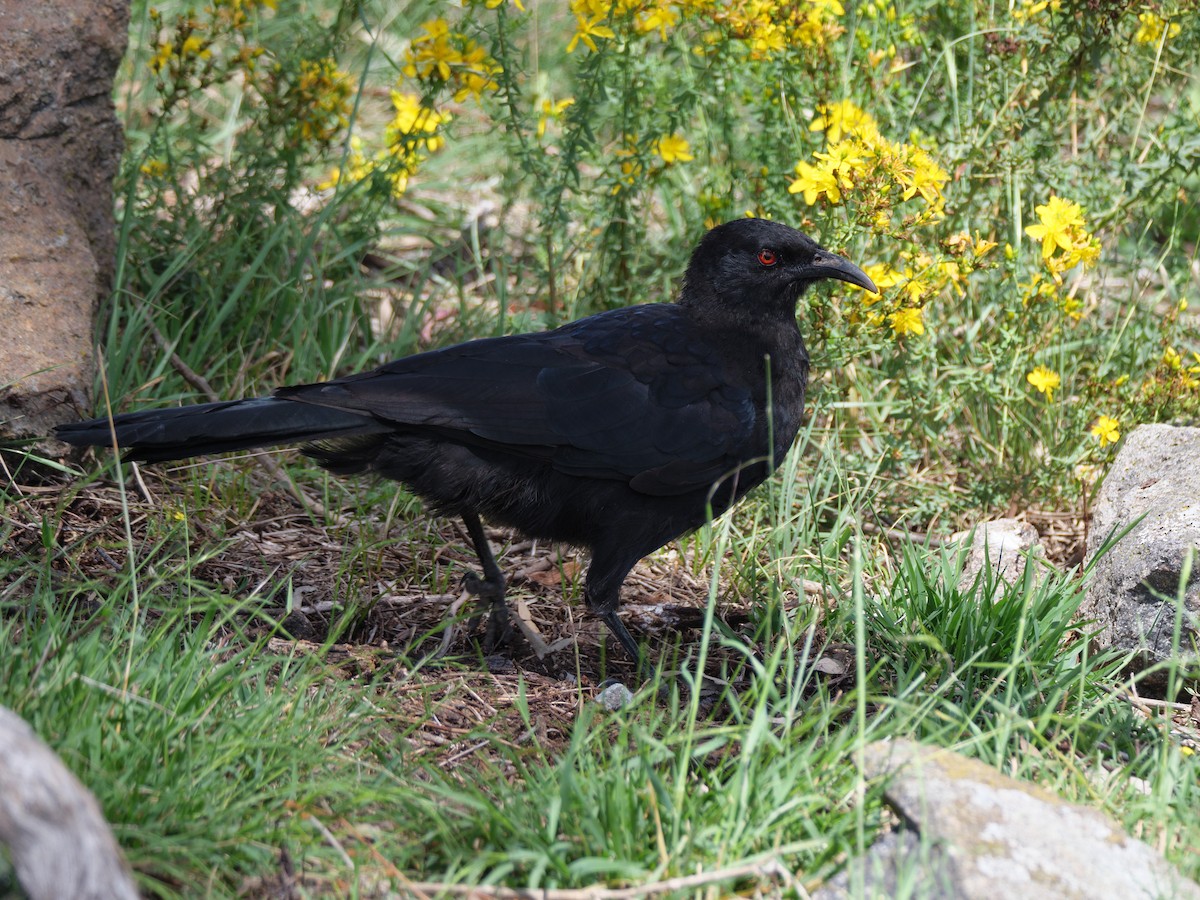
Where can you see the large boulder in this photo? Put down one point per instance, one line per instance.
(1153, 487)
(60, 143)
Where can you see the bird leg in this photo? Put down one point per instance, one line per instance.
(621, 633)
(602, 593)
(489, 590)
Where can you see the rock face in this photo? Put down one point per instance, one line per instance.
(52, 826)
(971, 832)
(60, 144)
(1134, 585)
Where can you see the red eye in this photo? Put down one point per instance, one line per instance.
(767, 257)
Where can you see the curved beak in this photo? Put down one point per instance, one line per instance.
(830, 265)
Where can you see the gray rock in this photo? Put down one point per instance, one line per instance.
(52, 826)
(971, 832)
(1134, 585)
(614, 696)
(1007, 545)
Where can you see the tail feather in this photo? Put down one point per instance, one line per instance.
(156, 435)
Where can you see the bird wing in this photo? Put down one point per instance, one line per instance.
(629, 395)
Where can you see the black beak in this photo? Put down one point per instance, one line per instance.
(829, 265)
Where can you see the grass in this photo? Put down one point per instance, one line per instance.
(148, 621)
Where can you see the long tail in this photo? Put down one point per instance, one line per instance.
(154, 435)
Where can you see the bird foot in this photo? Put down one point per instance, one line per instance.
(489, 595)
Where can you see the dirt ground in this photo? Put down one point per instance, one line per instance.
(394, 599)
(393, 596)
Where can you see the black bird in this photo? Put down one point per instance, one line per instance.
(618, 432)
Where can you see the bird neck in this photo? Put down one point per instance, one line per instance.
(757, 328)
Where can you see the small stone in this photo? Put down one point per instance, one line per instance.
(614, 697)
(1007, 545)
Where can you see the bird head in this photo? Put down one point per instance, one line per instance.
(755, 266)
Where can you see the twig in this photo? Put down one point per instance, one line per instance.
(1150, 702)
(330, 839)
(142, 488)
(770, 869)
(195, 379)
(899, 534)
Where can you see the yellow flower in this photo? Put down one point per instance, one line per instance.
(162, 56)
(659, 19)
(673, 148)
(587, 30)
(1106, 430)
(843, 117)
(412, 118)
(905, 321)
(884, 277)
(1150, 28)
(925, 177)
(813, 182)
(1045, 380)
(983, 247)
(1031, 8)
(450, 57)
(353, 170)
(1059, 221)
(194, 45)
(843, 160)
(492, 4)
(768, 38)
(552, 110)
(153, 168)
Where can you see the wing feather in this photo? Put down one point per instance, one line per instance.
(629, 395)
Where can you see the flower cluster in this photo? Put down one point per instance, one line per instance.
(859, 159)
(766, 27)
(449, 59)
(318, 100)
(917, 280)
(413, 132)
(237, 12)
(1185, 371)
(881, 176)
(760, 29)
(1066, 242)
(1153, 28)
(188, 44)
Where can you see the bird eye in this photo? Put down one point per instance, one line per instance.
(767, 257)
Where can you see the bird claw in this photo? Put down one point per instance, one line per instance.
(489, 595)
